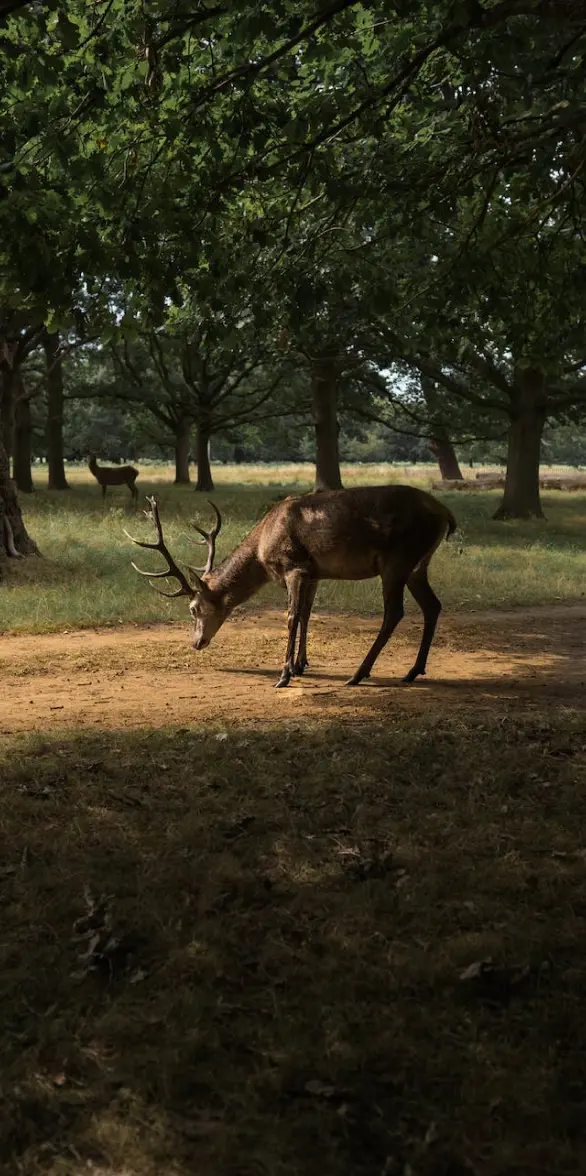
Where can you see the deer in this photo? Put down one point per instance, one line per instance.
(354, 534)
(113, 476)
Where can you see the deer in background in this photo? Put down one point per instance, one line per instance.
(114, 476)
(356, 534)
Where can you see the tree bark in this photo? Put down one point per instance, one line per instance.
(182, 446)
(7, 395)
(14, 539)
(440, 443)
(528, 415)
(324, 398)
(23, 430)
(205, 480)
(445, 455)
(57, 479)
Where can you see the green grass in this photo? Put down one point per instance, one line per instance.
(273, 980)
(85, 578)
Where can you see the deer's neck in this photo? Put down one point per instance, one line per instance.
(239, 576)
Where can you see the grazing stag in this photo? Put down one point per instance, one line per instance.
(113, 476)
(386, 531)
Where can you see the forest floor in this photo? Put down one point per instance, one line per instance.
(249, 932)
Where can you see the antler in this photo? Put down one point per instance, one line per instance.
(209, 537)
(186, 588)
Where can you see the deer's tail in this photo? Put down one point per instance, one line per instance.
(452, 523)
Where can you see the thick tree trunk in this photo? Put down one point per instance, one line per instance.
(528, 415)
(440, 442)
(57, 479)
(324, 396)
(14, 539)
(445, 455)
(23, 430)
(182, 446)
(8, 385)
(205, 480)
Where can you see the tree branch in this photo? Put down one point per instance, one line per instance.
(253, 69)
(189, 23)
(366, 414)
(428, 367)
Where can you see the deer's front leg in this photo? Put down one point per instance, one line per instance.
(296, 586)
(302, 663)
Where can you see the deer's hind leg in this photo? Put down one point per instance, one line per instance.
(393, 593)
(301, 662)
(421, 591)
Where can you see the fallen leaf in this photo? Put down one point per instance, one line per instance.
(138, 975)
(320, 1089)
(473, 971)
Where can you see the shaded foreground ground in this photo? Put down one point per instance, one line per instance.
(234, 946)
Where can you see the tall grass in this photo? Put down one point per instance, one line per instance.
(85, 577)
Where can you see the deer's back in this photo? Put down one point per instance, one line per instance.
(349, 534)
(114, 474)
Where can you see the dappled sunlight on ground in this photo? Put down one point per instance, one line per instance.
(140, 674)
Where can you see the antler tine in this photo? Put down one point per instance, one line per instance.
(216, 530)
(209, 537)
(185, 589)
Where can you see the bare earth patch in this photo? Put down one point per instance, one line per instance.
(249, 932)
(126, 677)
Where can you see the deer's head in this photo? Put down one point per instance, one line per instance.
(206, 608)
(207, 615)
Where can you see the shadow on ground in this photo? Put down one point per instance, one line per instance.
(274, 922)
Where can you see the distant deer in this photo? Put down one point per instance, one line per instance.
(114, 476)
(386, 531)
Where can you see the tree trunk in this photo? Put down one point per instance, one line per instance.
(8, 378)
(440, 443)
(23, 430)
(182, 446)
(445, 455)
(57, 479)
(205, 480)
(14, 539)
(324, 395)
(528, 415)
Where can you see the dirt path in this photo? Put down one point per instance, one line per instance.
(148, 675)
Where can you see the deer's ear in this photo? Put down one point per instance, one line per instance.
(199, 586)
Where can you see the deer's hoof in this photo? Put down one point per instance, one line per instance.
(299, 668)
(354, 681)
(412, 675)
(284, 681)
